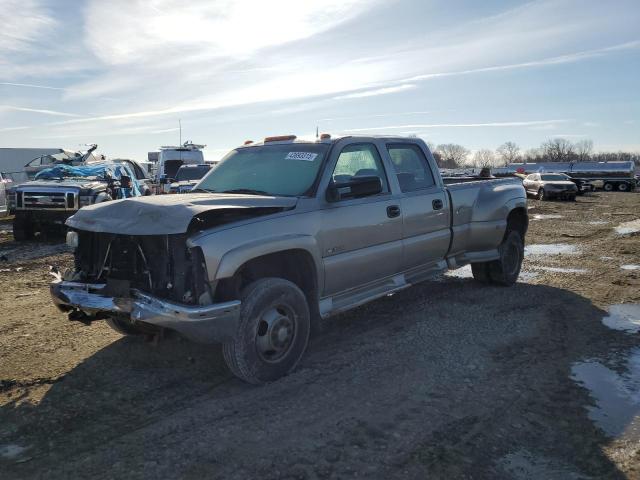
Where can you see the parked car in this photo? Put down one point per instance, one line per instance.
(187, 177)
(42, 205)
(4, 206)
(545, 186)
(281, 234)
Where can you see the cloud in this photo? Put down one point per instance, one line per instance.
(37, 110)
(376, 92)
(28, 85)
(139, 29)
(23, 22)
(461, 125)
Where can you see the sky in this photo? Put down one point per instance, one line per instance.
(123, 73)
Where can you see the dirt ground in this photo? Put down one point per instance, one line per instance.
(448, 379)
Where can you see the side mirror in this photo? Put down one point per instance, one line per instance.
(125, 181)
(356, 187)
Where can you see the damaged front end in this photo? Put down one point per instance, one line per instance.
(152, 280)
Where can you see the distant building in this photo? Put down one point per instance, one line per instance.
(13, 160)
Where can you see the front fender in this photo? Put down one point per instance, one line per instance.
(234, 258)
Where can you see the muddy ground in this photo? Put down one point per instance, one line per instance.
(449, 379)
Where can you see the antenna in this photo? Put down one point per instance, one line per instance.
(317, 135)
(180, 128)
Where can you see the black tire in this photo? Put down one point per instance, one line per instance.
(272, 333)
(506, 269)
(541, 194)
(608, 187)
(481, 272)
(123, 326)
(571, 198)
(623, 187)
(22, 229)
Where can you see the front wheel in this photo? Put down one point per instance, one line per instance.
(623, 187)
(541, 194)
(272, 333)
(22, 228)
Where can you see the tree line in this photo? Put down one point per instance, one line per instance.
(451, 155)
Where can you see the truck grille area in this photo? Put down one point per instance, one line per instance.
(47, 200)
(160, 265)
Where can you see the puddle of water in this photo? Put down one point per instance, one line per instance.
(541, 216)
(560, 270)
(551, 249)
(11, 451)
(630, 267)
(625, 317)
(627, 228)
(617, 396)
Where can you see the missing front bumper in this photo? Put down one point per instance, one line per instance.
(202, 323)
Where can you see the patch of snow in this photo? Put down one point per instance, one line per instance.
(627, 228)
(560, 270)
(598, 222)
(526, 276)
(464, 272)
(630, 267)
(624, 316)
(551, 249)
(540, 216)
(607, 258)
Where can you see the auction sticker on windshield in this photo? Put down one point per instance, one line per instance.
(306, 156)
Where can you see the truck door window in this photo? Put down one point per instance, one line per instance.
(360, 160)
(411, 167)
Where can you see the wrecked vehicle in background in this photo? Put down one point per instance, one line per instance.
(282, 234)
(44, 204)
(187, 177)
(63, 157)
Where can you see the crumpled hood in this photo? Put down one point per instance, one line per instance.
(165, 214)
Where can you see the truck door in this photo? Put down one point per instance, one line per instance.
(425, 207)
(360, 238)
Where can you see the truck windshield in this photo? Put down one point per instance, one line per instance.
(191, 173)
(288, 170)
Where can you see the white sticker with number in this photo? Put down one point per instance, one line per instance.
(306, 156)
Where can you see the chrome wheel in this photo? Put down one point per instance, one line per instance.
(276, 332)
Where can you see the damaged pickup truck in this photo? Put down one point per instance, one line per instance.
(282, 234)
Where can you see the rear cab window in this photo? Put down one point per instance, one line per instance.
(411, 165)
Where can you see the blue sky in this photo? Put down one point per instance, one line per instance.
(121, 73)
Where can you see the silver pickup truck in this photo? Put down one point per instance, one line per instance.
(282, 234)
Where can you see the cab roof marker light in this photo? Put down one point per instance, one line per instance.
(248, 142)
(281, 138)
(325, 136)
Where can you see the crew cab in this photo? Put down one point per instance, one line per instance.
(44, 204)
(282, 234)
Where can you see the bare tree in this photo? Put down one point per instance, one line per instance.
(509, 152)
(484, 159)
(584, 149)
(557, 150)
(452, 155)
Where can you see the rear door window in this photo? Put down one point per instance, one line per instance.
(411, 167)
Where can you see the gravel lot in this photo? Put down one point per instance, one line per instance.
(449, 379)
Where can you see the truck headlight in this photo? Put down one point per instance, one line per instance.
(72, 239)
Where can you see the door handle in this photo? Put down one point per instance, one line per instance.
(393, 211)
(437, 204)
